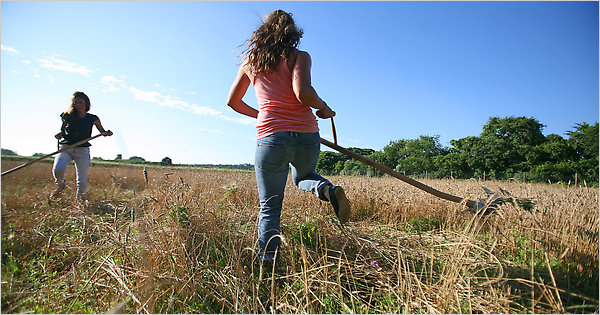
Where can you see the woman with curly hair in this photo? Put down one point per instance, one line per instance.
(287, 129)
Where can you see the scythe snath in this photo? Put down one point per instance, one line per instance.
(494, 198)
(51, 154)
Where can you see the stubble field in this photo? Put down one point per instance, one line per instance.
(185, 242)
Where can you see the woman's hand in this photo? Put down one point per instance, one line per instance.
(107, 133)
(58, 136)
(326, 112)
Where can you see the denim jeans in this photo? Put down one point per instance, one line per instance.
(81, 156)
(274, 154)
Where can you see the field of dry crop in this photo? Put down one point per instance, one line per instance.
(185, 242)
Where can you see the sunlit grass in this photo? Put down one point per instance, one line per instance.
(185, 242)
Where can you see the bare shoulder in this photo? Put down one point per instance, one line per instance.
(244, 70)
(303, 54)
(303, 59)
(244, 67)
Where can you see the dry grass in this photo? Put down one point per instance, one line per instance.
(185, 242)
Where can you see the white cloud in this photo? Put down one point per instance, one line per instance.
(109, 79)
(240, 120)
(63, 65)
(203, 110)
(9, 49)
(175, 102)
(171, 101)
(151, 97)
(112, 83)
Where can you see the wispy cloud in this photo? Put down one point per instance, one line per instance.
(9, 49)
(109, 79)
(171, 101)
(204, 110)
(63, 65)
(112, 84)
(240, 120)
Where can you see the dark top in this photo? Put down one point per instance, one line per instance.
(77, 129)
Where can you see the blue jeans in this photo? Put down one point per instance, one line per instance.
(81, 156)
(274, 154)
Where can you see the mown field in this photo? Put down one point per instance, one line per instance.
(185, 242)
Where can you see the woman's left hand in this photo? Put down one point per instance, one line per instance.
(107, 133)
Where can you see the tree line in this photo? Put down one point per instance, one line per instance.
(166, 161)
(509, 147)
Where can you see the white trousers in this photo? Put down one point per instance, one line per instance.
(81, 156)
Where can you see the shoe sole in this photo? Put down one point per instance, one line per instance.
(343, 204)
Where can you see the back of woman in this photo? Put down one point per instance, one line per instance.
(287, 130)
(279, 108)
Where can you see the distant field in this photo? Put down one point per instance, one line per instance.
(185, 241)
(24, 159)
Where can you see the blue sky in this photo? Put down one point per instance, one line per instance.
(158, 73)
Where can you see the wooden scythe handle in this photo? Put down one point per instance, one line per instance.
(404, 178)
(51, 154)
(333, 131)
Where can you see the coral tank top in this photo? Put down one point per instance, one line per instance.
(278, 108)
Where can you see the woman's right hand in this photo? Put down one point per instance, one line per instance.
(58, 135)
(325, 113)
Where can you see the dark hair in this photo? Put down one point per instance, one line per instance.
(81, 95)
(275, 39)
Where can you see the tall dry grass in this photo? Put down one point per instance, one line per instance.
(185, 242)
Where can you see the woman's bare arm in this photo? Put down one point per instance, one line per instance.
(236, 93)
(301, 83)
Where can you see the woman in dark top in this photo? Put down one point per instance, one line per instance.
(77, 125)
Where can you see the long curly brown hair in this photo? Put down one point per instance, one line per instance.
(275, 39)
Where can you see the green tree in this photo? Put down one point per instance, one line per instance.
(451, 165)
(467, 157)
(329, 163)
(333, 163)
(377, 157)
(555, 159)
(137, 159)
(8, 152)
(585, 140)
(361, 151)
(354, 167)
(506, 143)
(166, 161)
(392, 153)
(417, 156)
